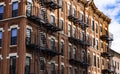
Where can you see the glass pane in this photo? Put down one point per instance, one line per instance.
(15, 5)
(1, 9)
(0, 35)
(14, 32)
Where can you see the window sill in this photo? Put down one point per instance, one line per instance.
(13, 45)
(0, 47)
(62, 56)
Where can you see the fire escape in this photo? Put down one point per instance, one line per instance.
(107, 54)
(43, 22)
(78, 42)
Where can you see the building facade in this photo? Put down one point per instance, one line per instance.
(53, 37)
(115, 62)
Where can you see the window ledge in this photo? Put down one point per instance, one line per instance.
(13, 45)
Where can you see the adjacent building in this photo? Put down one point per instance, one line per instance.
(53, 37)
(115, 62)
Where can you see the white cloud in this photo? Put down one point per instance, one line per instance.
(112, 9)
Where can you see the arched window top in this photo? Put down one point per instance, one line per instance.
(30, 1)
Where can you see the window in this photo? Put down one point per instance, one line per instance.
(13, 65)
(87, 20)
(52, 19)
(62, 69)
(93, 26)
(74, 32)
(95, 60)
(28, 36)
(69, 10)
(83, 55)
(53, 68)
(83, 72)
(89, 58)
(74, 52)
(14, 36)
(98, 62)
(15, 9)
(100, 28)
(74, 12)
(27, 67)
(75, 71)
(62, 48)
(69, 30)
(70, 51)
(96, 28)
(96, 44)
(93, 42)
(1, 12)
(61, 25)
(102, 61)
(70, 70)
(42, 64)
(61, 4)
(42, 14)
(42, 39)
(0, 38)
(81, 17)
(118, 65)
(52, 43)
(29, 9)
(82, 36)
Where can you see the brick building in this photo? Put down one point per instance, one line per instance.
(53, 37)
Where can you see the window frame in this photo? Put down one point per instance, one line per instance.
(12, 40)
(15, 11)
(2, 12)
(12, 65)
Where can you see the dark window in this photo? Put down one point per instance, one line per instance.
(89, 58)
(15, 9)
(74, 32)
(42, 39)
(28, 36)
(100, 28)
(102, 61)
(94, 60)
(61, 25)
(29, 9)
(93, 26)
(87, 20)
(13, 65)
(0, 38)
(70, 51)
(75, 51)
(62, 69)
(52, 19)
(1, 12)
(27, 67)
(69, 10)
(83, 56)
(52, 43)
(75, 71)
(98, 62)
(118, 65)
(70, 70)
(61, 4)
(81, 17)
(53, 68)
(84, 72)
(83, 35)
(62, 48)
(69, 30)
(14, 36)
(42, 64)
(96, 28)
(74, 12)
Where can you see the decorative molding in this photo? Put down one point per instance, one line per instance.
(2, 3)
(12, 54)
(13, 26)
(29, 27)
(1, 29)
(29, 55)
(14, 1)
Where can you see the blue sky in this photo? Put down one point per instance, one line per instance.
(111, 8)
